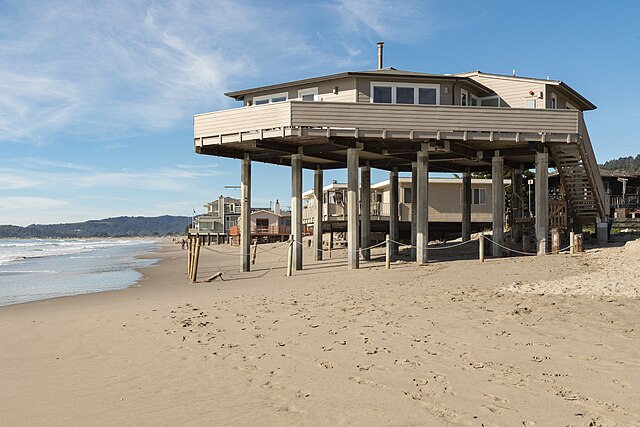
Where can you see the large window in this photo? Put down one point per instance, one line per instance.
(405, 93)
(270, 99)
(382, 94)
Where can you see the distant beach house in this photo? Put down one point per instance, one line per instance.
(222, 214)
(268, 225)
(406, 121)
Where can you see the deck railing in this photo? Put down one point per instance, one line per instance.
(249, 122)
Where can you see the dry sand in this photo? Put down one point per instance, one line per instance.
(515, 341)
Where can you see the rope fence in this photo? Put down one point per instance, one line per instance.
(194, 252)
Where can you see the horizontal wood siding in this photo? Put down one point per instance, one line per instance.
(428, 117)
(512, 92)
(243, 119)
(352, 115)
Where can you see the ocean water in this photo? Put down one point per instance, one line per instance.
(36, 269)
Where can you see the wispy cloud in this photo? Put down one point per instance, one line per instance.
(400, 21)
(175, 178)
(21, 203)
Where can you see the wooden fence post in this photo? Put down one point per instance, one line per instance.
(290, 256)
(388, 253)
(572, 247)
(255, 251)
(555, 241)
(481, 247)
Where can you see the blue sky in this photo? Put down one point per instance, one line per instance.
(97, 98)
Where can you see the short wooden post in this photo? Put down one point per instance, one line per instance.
(481, 247)
(525, 243)
(196, 259)
(290, 256)
(555, 241)
(254, 252)
(330, 241)
(579, 243)
(388, 253)
(572, 247)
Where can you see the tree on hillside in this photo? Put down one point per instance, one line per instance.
(628, 164)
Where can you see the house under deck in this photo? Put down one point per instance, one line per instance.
(410, 138)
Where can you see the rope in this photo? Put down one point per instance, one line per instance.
(264, 273)
(509, 249)
(525, 253)
(436, 248)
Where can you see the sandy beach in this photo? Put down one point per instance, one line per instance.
(515, 341)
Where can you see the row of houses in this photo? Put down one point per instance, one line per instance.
(445, 209)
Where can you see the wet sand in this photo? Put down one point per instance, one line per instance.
(515, 341)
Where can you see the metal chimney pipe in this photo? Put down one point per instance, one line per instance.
(380, 46)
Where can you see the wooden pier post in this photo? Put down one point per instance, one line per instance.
(189, 248)
(196, 259)
(481, 247)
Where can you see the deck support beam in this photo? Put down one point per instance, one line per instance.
(422, 202)
(497, 192)
(542, 201)
(317, 224)
(365, 214)
(394, 222)
(296, 209)
(414, 206)
(466, 205)
(353, 157)
(245, 214)
(517, 204)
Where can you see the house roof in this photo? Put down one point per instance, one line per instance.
(281, 214)
(384, 72)
(588, 105)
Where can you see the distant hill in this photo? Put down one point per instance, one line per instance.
(629, 164)
(123, 226)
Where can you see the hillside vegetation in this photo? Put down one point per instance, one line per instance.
(124, 226)
(624, 164)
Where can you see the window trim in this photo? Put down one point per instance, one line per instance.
(269, 98)
(473, 189)
(554, 101)
(482, 98)
(416, 91)
(308, 91)
(467, 99)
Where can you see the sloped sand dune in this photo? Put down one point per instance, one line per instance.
(514, 341)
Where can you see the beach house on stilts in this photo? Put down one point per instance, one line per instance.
(405, 121)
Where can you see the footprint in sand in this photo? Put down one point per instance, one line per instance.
(365, 381)
(248, 368)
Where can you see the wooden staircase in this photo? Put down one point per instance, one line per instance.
(581, 178)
